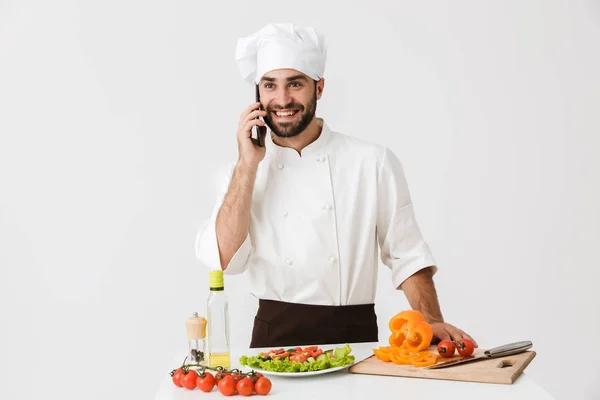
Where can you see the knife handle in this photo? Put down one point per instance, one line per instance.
(508, 349)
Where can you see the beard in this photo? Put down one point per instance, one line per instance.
(292, 128)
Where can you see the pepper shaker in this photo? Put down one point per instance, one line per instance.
(196, 332)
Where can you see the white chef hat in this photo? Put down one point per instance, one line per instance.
(281, 46)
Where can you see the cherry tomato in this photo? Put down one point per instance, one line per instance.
(226, 386)
(177, 376)
(188, 380)
(465, 347)
(206, 383)
(263, 386)
(245, 387)
(445, 348)
(236, 377)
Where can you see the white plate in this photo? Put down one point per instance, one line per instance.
(299, 374)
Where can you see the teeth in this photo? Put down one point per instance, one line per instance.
(285, 114)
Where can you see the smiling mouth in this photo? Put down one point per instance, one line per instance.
(285, 114)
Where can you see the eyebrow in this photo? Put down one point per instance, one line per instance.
(289, 79)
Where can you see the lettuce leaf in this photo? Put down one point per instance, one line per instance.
(341, 357)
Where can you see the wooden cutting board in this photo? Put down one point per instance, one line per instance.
(502, 370)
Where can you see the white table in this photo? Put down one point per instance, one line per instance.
(346, 386)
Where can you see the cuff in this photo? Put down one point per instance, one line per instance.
(207, 250)
(403, 269)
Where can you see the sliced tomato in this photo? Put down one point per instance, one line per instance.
(311, 348)
(314, 354)
(281, 355)
(279, 351)
(299, 349)
(298, 357)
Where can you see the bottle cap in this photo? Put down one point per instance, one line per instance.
(196, 327)
(216, 280)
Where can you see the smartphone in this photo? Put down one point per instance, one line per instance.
(257, 127)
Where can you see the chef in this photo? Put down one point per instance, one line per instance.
(304, 215)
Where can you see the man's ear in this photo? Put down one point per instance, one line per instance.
(320, 85)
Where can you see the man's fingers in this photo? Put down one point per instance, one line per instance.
(455, 334)
(467, 336)
(253, 115)
(445, 331)
(251, 107)
(247, 131)
(443, 335)
(458, 334)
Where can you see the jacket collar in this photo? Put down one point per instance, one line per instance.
(318, 147)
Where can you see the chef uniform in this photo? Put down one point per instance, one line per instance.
(317, 219)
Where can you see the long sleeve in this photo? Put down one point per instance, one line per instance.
(207, 248)
(403, 248)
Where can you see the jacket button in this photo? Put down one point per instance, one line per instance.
(280, 166)
(331, 259)
(288, 262)
(327, 206)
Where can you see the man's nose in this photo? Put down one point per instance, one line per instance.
(283, 97)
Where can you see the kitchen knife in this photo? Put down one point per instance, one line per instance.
(502, 351)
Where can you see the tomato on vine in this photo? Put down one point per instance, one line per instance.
(206, 382)
(188, 379)
(245, 386)
(228, 382)
(176, 375)
(263, 386)
(226, 385)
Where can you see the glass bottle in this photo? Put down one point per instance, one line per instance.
(217, 313)
(196, 332)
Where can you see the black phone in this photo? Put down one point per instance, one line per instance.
(258, 135)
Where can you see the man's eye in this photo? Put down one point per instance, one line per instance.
(268, 85)
(295, 84)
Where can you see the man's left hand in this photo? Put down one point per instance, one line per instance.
(444, 331)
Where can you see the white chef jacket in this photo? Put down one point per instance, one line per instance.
(316, 222)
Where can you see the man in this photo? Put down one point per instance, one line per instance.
(303, 215)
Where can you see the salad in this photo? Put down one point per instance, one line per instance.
(300, 359)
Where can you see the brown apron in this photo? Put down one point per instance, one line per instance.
(279, 324)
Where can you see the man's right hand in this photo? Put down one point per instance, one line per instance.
(250, 154)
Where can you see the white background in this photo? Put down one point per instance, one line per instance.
(118, 117)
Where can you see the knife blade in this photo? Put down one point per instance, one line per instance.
(496, 352)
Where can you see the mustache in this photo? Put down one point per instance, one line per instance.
(294, 106)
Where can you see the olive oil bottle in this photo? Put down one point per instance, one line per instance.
(217, 314)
